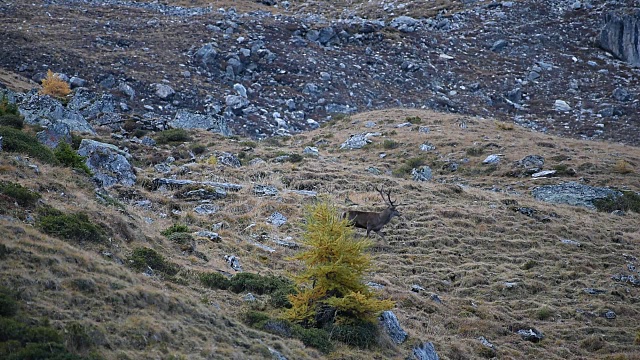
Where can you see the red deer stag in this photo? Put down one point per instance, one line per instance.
(371, 220)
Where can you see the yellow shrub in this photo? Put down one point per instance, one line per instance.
(54, 86)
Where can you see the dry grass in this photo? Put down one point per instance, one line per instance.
(459, 238)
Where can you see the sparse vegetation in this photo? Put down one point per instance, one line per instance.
(172, 136)
(415, 120)
(409, 165)
(501, 125)
(7, 108)
(52, 85)
(475, 151)
(390, 144)
(198, 149)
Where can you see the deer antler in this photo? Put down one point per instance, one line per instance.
(388, 193)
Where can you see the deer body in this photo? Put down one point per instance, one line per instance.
(371, 220)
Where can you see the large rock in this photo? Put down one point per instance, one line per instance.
(187, 120)
(572, 193)
(621, 35)
(46, 111)
(425, 351)
(108, 163)
(392, 327)
(54, 134)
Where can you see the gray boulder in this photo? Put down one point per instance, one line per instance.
(54, 134)
(187, 120)
(424, 173)
(531, 162)
(207, 56)
(621, 35)
(391, 325)
(572, 193)
(164, 92)
(46, 111)
(425, 351)
(358, 141)
(228, 159)
(531, 334)
(277, 219)
(108, 163)
(405, 23)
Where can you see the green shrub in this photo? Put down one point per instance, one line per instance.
(390, 144)
(14, 140)
(12, 120)
(198, 149)
(77, 337)
(215, 280)
(257, 283)
(475, 151)
(7, 108)
(181, 238)
(317, 338)
(68, 157)
(362, 334)
(8, 304)
(23, 196)
(75, 141)
(415, 120)
(280, 297)
(544, 313)
(409, 165)
(295, 158)
(175, 228)
(628, 201)
(76, 226)
(172, 135)
(143, 258)
(253, 318)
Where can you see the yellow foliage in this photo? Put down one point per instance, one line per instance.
(335, 264)
(212, 160)
(622, 167)
(54, 86)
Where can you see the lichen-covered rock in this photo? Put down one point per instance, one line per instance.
(425, 351)
(188, 120)
(108, 163)
(392, 327)
(572, 193)
(46, 111)
(54, 134)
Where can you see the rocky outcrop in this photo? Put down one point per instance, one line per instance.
(391, 325)
(573, 193)
(621, 36)
(46, 111)
(108, 163)
(188, 120)
(54, 134)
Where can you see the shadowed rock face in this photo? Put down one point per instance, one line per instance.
(621, 36)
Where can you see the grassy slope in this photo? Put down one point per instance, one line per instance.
(457, 239)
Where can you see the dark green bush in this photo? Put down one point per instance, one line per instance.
(415, 120)
(257, 283)
(295, 158)
(628, 201)
(7, 108)
(175, 228)
(68, 157)
(14, 140)
(142, 258)
(280, 297)
(390, 144)
(253, 318)
(198, 149)
(475, 151)
(75, 227)
(362, 334)
(23, 196)
(181, 238)
(317, 338)
(215, 280)
(11, 120)
(4, 251)
(75, 141)
(8, 304)
(172, 135)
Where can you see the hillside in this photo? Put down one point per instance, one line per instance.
(153, 190)
(463, 236)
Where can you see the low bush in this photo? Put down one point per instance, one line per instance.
(317, 338)
(215, 280)
(198, 149)
(23, 196)
(172, 135)
(258, 284)
(175, 228)
(8, 304)
(181, 238)
(409, 165)
(628, 201)
(14, 140)
(12, 120)
(7, 108)
(415, 120)
(143, 258)
(68, 157)
(390, 144)
(362, 334)
(75, 227)
(254, 318)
